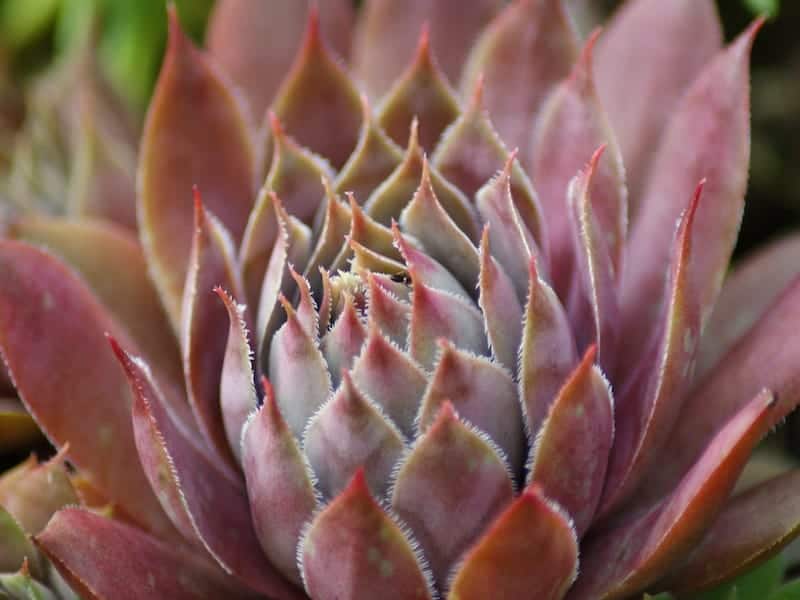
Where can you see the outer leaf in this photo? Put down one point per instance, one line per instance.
(35, 496)
(571, 127)
(502, 311)
(15, 547)
(647, 57)
(196, 492)
(630, 557)
(754, 526)
(318, 95)
(111, 262)
(177, 154)
(570, 455)
(745, 297)
(101, 559)
(72, 360)
(237, 392)
(297, 177)
(513, 244)
(760, 357)
(448, 490)
(423, 93)
(353, 549)
(388, 32)
(649, 409)
(279, 489)
(593, 303)
(708, 137)
(205, 324)
(238, 29)
(350, 433)
(525, 51)
(529, 551)
(547, 354)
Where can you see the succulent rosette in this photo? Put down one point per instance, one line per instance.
(400, 341)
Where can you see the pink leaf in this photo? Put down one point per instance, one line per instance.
(177, 153)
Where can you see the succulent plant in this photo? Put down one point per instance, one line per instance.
(466, 380)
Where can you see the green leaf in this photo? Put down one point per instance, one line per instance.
(769, 8)
(753, 585)
(21, 586)
(790, 591)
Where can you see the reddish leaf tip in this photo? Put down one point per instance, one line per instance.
(269, 392)
(476, 99)
(276, 126)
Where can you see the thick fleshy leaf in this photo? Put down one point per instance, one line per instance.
(396, 192)
(388, 32)
(102, 177)
(337, 221)
(450, 487)
(176, 154)
(279, 488)
(708, 137)
(471, 152)
(111, 262)
(648, 410)
(292, 247)
(761, 357)
(436, 314)
(522, 55)
(502, 311)
(483, 394)
(317, 98)
(255, 41)
(197, 493)
(530, 551)
(350, 433)
(423, 93)
(512, 243)
(343, 343)
(593, 301)
(72, 361)
(15, 546)
(647, 57)
(547, 355)
(442, 237)
(371, 234)
(375, 157)
(426, 269)
(754, 526)
(746, 295)
(628, 558)
(237, 392)
(391, 378)
(354, 550)
(306, 308)
(17, 428)
(570, 456)
(572, 126)
(387, 313)
(101, 558)
(205, 324)
(38, 493)
(366, 260)
(22, 586)
(296, 177)
(298, 372)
